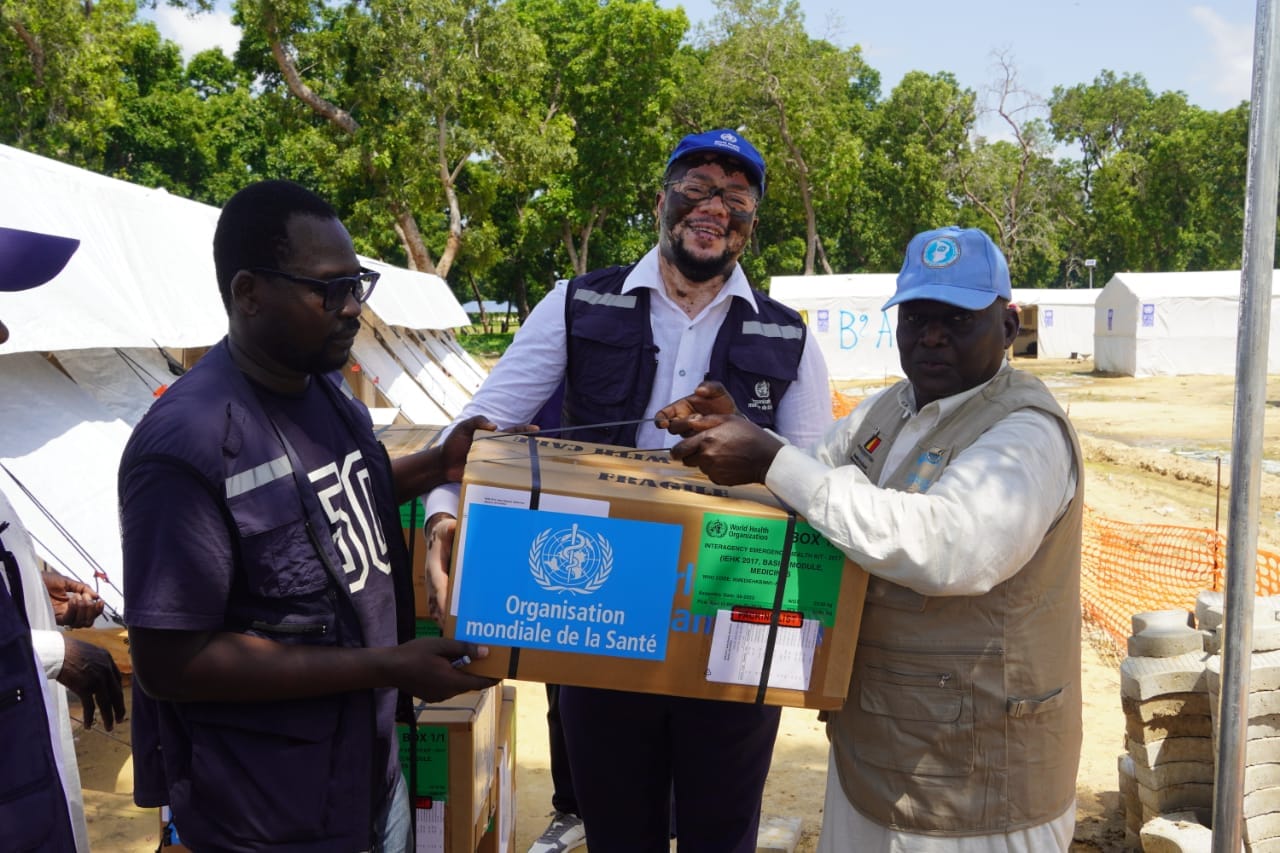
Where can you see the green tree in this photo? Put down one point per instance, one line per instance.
(907, 186)
(802, 101)
(613, 77)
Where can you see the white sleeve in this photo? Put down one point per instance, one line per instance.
(975, 527)
(805, 410)
(524, 378)
(50, 650)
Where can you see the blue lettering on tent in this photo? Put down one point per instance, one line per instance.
(854, 328)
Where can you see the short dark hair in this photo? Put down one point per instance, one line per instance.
(252, 228)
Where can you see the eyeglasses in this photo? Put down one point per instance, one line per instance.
(334, 290)
(739, 201)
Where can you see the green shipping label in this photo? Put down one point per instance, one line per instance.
(432, 761)
(738, 563)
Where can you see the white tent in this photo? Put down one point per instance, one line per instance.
(1057, 320)
(87, 355)
(843, 315)
(1148, 324)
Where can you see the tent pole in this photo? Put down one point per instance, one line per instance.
(1247, 430)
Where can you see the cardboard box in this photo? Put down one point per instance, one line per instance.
(451, 781)
(501, 835)
(603, 566)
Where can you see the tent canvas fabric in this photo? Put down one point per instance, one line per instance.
(843, 314)
(1062, 319)
(143, 279)
(60, 453)
(1150, 324)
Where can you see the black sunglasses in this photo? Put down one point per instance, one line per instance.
(334, 290)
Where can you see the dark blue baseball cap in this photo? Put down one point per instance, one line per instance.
(723, 141)
(28, 259)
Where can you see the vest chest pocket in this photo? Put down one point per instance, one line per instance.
(278, 559)
(906, 724)
(605, 356)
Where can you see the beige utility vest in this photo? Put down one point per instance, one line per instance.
(963, 715)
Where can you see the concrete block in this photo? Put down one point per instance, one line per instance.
(1266, 636)
(1260, 802)
(1174, 773)
(1176, 833)
(1262, 827)
(1262, 727)
(1264, 672)
(1168, 705)
(1169, 750)
(1146, 678)
(1186, 725)
(778, 835)
(1260, 776)
(1210, 640)
(1172, 798)
(1163, 634)
(1262, 750)
(1210, 610)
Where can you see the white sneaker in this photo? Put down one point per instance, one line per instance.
(564, 833)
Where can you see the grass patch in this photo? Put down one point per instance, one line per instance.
(482, 345)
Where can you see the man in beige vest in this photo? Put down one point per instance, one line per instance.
(960, 492)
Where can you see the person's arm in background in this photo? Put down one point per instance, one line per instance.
(526, 375)
(83, 668)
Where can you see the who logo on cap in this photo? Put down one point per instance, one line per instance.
(958, 266)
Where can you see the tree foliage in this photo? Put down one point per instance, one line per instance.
(509, 143)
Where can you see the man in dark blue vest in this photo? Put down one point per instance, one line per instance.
(620, 343)
(267, 586)
(41, 804)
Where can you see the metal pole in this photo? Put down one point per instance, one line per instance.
(1247, 430)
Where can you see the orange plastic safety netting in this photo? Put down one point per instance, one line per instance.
(1135, 568)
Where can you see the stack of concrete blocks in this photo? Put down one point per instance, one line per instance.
(1167, 766)
(1261, 804)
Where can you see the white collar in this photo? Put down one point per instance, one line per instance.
(647, 273)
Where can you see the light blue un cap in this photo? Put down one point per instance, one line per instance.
(958, 266)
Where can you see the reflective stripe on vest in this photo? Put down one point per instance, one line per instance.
(259, 475)
(771, 330)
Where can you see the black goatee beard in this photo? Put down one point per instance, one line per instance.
(697, 268)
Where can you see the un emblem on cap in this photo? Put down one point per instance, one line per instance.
(940, 252)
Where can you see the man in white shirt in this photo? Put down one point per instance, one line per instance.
(960, 492)
(41, 804)
(620, 343)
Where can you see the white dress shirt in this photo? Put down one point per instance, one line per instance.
(533, 366)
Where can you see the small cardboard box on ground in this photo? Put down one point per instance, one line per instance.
(603, 566)
(501, 837)
(451, 778)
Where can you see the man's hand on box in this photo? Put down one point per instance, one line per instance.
(689, 416)
(440, 528)
(731, 450)
(434, 669)
(453, 453)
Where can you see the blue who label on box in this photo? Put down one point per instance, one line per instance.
(574, 583)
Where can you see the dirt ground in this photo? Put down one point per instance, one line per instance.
(1153, 447)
